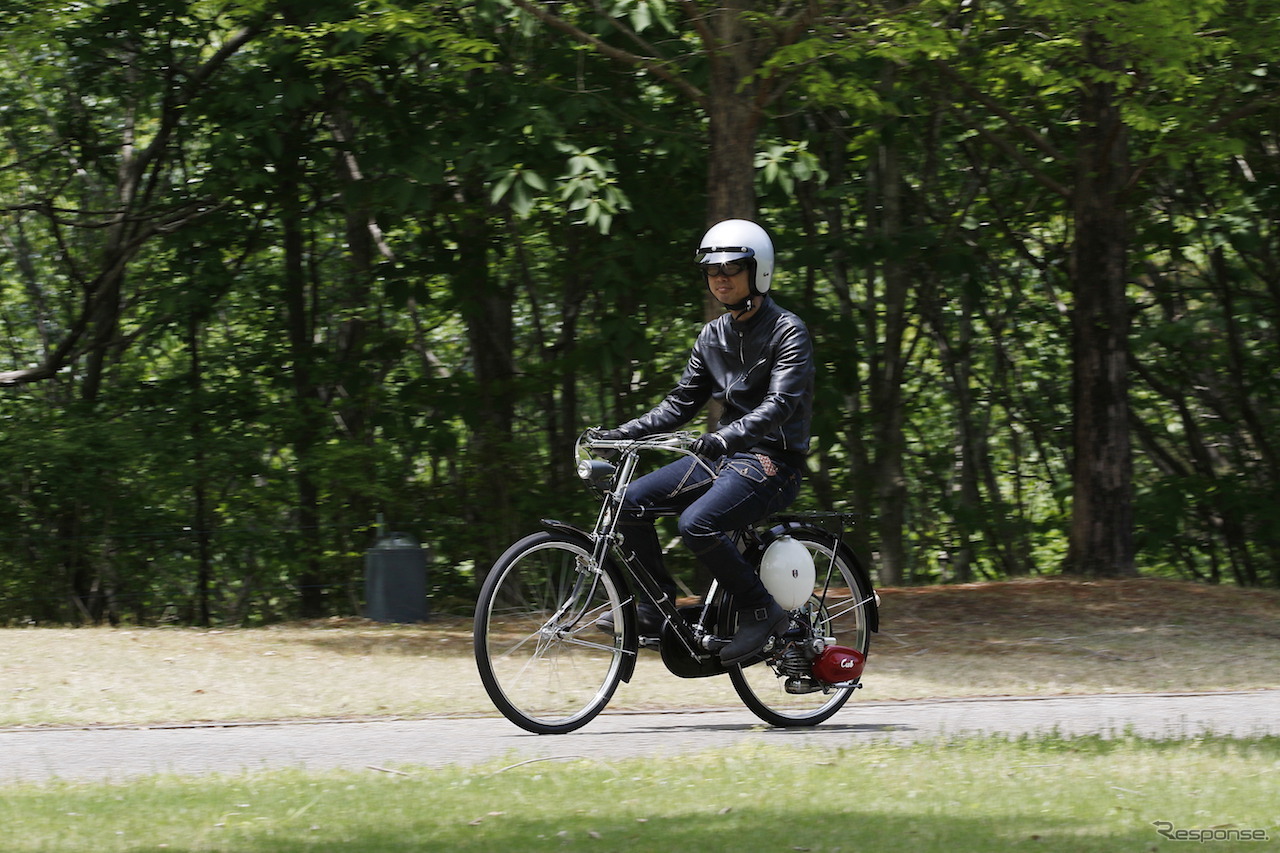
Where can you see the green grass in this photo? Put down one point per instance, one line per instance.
(1048, 793)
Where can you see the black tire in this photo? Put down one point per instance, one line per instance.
(542, 660)
(841, 607)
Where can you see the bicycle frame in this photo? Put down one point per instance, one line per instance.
(605, 539)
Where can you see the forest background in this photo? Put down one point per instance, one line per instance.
(271, 270)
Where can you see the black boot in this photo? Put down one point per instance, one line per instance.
(650, 619)
(755, 626)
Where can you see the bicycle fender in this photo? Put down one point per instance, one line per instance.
(562, 527)
(628, 667)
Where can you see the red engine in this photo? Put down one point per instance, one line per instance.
(838, 664)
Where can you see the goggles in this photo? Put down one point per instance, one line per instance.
(729, 268)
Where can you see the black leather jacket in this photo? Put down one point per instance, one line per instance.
(760, 370)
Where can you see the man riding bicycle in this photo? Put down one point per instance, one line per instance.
(756, 360)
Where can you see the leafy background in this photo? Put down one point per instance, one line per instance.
(271, 271)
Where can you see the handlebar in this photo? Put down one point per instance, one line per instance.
(597, 472)
(657, 441)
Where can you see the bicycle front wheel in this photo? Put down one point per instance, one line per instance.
(840, 608)
(542, 660)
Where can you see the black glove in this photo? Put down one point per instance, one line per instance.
(709, 446)
(597, 434)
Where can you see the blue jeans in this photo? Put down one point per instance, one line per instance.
(747, 489)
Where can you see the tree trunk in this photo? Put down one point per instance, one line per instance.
(885, 389)
(486, 309)
(199, 484)
(733, 116)
(306, 428)
(969, 444)
(1101, 539)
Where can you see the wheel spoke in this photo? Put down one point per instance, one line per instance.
(541, 658)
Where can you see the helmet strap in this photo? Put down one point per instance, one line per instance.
(743, 306)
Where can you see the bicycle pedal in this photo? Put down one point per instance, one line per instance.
(650, 642)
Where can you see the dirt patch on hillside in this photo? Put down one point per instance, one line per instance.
(994, 613)
(935, 616)
(1060, 635)
(1034, 637)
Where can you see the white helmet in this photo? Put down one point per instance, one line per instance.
(736, 240)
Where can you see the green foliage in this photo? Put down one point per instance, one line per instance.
(272, 270)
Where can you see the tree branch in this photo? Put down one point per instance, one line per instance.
(1011, 151)
(655, 67)
(699, 20)
(1036, 139)
(126, 243)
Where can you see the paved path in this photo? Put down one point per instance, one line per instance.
(123, 753)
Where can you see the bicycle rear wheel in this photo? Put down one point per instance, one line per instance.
(839, 607)
(542, 660)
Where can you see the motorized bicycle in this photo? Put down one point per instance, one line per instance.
(550, 669)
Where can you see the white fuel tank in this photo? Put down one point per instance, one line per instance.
(786, 570)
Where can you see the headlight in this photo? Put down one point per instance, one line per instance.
(595, 471)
